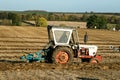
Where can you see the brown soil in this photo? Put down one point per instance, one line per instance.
(14, 41)
(76, 71)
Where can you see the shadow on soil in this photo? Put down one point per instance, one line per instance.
(82, 78)
(10, 61)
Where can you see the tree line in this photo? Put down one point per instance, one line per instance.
(93, 20)
(58, 16)
(16, 19)
(10, 18)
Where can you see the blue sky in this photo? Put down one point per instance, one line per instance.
(62, 5)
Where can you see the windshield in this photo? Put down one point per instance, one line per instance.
(61, 36)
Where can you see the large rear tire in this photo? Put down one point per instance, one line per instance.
(62, 55)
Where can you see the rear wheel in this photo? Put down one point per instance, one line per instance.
(62, 55)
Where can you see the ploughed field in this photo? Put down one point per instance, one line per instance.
(15, 41)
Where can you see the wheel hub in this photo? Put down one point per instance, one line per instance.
(62, 57)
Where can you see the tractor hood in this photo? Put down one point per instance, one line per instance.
(92, 49)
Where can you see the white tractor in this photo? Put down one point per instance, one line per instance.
(64, 46)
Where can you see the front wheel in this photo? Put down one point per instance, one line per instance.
(94, 61)
(62, 55)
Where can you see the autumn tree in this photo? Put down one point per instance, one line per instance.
(41, 22)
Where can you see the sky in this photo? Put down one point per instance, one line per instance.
(61, 5)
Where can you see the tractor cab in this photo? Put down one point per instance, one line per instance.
(62, 36)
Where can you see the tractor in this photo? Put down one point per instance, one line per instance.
(63, 47)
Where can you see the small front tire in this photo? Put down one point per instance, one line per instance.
(94, 61)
